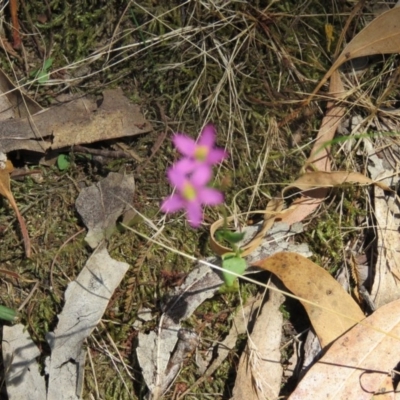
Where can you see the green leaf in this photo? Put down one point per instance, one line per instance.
(234, 264)
(47, 64)
(42, 77)
(8, 314)
(63, 162)
(229, 236)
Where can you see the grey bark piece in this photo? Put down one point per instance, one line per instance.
(23, 379)
(259, 374)
(154, 350)
(86, 299)
(100, 205)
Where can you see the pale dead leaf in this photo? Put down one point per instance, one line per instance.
(274, 207)
(356, 365)
(86, 299)
(309, 281)
(259, 375)
(100, 205)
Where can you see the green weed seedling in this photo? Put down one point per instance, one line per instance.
(41, 76)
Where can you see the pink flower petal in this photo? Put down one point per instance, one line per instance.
(201, 175)
(176, 177)
(215, 156)
(194, 213)
(207, 136)
(172, 204)
(210, 196)
(185, 165)
(184, 144)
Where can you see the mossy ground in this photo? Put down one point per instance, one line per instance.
(243, 66)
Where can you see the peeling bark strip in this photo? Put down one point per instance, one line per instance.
(79, 121)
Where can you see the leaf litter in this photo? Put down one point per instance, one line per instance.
(183, 305)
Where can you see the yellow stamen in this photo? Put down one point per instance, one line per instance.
(201, 153)
(189, 192)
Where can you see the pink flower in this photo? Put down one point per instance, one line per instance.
(191, 191)
(202, 151)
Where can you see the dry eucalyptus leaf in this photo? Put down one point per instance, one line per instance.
(100, 205)
(314, 185)
(319, 158)
(381, 36)
(321, 179)
(22, 371)
(86, 299)
(357, 364)
(332, 311)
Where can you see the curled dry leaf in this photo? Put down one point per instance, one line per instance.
(331, 310)
(357, 365)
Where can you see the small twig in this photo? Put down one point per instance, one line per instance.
(103, 153)
(17, 173)
(15, 24)
(159, 141)
(25, 302)
(58, 252)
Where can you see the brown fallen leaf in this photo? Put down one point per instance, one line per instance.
(5, 190)
(331, 310)
(357, 364)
